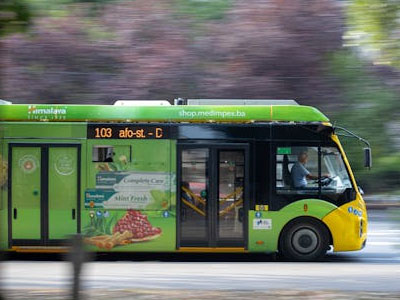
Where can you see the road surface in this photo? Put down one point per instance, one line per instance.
(376, 268)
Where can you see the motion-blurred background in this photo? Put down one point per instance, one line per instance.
(340, 56)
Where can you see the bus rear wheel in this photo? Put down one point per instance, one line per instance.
(304, 240)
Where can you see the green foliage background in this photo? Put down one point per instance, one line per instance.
(15, 16)
(369, 106)
(360, 69)
(375, 24)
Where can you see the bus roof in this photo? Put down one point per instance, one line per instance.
(173, 113)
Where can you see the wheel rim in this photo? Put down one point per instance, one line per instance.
(305, 240)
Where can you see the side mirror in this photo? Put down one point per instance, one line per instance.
(367, 158)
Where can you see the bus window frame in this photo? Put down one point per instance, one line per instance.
(276, 198)
(261, 173)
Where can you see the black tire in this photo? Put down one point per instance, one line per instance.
(304, 240)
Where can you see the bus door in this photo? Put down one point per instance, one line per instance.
(213, 195)
(43, 193)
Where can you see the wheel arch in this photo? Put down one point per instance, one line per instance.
(304, 219)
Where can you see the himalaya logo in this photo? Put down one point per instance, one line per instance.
(33, 110)
(47, 113)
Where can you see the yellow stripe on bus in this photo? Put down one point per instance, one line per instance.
(29, 249)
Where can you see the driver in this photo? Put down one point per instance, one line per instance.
(299, 172)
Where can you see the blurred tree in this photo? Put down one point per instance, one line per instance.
(370, 106)
(62, 8)
(151, 49)
(15, 16)
(273, 49)
(374, 24)
(373, 33)
(98, 51)
(133, 49)
(203, 10)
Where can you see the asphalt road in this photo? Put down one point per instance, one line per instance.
(375, 268)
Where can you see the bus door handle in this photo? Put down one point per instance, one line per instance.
(15, 213)
(73, 214)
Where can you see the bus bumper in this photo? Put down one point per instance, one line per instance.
(348, 226)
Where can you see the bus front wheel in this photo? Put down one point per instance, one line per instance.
(304, 240)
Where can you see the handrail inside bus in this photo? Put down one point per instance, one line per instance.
(194, 207)
(222, 212)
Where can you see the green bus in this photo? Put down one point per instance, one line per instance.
(201, 175)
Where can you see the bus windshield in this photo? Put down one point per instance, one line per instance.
(332, 164)
(311, 171)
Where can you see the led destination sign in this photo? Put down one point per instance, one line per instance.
(126, 131)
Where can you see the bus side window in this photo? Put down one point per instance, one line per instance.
(293, 165)
(116, 154)
(102, 153)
